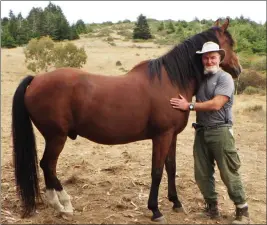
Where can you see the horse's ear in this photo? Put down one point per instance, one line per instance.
(225, 24)
(217, 23)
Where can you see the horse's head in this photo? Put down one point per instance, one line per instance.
(230, 63)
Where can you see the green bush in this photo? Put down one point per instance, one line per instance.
(69, 55)
(250, 78)
(259, 64)
(104, 32)
(170, 27)
(109, 39)
(244, 59)
(39, 54)
(125, 33)
(249, 90)
(254, 108)
(122, 27)
(161, 26)
(90, 29)
(44, 54)
(248, 60)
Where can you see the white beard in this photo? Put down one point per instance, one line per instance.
(211, 69)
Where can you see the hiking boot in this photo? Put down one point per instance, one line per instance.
(241, 216)
(212, 210)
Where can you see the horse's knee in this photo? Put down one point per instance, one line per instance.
(47, 165)
(156, 175)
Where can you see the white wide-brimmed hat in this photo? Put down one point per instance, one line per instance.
(212, 47)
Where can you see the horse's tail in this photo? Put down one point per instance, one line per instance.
(24, 150)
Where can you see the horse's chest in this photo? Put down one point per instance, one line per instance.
(166, 118)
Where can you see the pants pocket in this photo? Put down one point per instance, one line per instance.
(232, 159)
(231, 131)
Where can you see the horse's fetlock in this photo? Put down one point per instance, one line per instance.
(173, 198)
(63, 196)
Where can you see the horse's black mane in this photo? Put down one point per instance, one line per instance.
(182, 63)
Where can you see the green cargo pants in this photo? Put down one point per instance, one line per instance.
(217, 144)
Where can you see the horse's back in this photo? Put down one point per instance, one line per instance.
(100, 108)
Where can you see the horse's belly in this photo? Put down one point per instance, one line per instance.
(111, 139)
(111, 132)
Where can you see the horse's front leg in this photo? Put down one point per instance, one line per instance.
(170, 166)
(161, 146)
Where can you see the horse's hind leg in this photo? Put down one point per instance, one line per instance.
(57, 197)
(170, 166)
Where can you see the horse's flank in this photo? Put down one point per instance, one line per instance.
(104, 109)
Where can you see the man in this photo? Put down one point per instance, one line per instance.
(214, 139)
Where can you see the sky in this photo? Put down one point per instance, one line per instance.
(114, 11)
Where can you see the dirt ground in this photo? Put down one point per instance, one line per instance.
(110, 184)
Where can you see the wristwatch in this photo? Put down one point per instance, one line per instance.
(191, 106)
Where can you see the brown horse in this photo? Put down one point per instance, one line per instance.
(109, 110)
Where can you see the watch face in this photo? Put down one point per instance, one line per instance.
(191, 106)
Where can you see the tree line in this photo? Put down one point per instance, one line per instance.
(16, 30)
(250, 36)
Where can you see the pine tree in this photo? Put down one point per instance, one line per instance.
(80, 27)
(35, 22)
(141, 29)
(170, 28)
(6, 38)
(73, 33)
(161, 26)
(55, 23)
(23, 31)
(12, 25)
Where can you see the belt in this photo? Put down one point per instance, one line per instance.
(199, 126)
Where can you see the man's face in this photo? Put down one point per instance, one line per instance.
(211, 62)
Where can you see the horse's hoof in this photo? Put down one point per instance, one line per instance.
(66, 214)
(179, 210)
(160, 220)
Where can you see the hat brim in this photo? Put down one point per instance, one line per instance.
(221, 52)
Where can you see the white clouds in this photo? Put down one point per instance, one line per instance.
(100, 11)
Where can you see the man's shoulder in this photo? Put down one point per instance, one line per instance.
(222, 72)
(223, 75)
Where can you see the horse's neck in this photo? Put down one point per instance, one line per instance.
(189, 92)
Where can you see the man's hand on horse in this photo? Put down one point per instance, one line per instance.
(180, 103)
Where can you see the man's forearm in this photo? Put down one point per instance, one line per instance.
(207, 106)
(214, 104)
